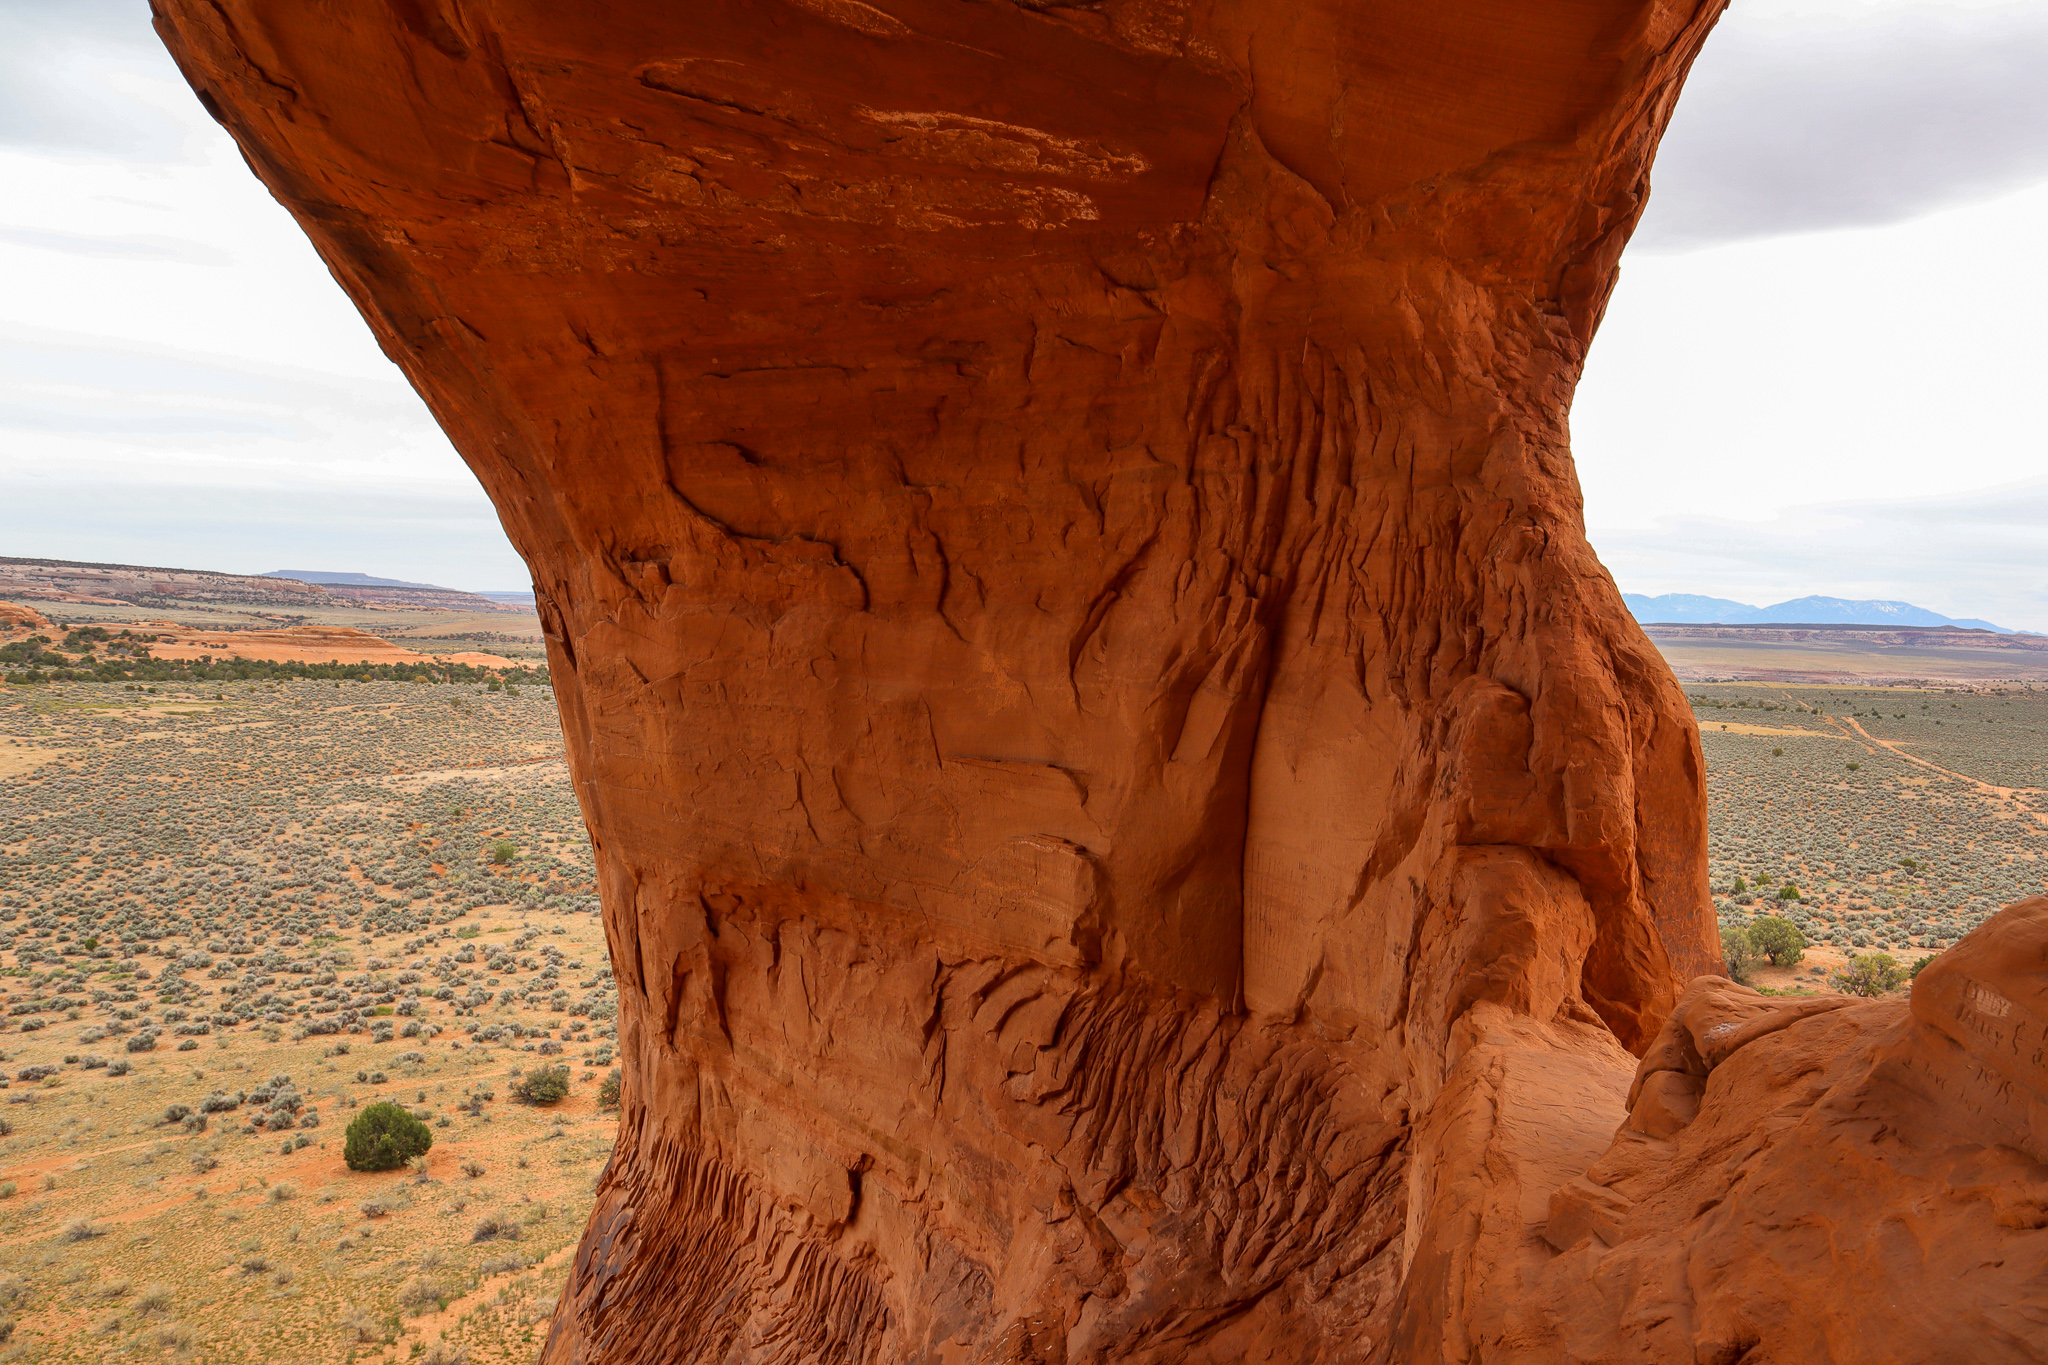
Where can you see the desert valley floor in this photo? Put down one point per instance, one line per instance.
(270, 903)
(1880, 818)
(267, 905)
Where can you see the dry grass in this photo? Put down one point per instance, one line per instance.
(1901, 817)
(255, 1242)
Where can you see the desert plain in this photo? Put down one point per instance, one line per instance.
(232, 914)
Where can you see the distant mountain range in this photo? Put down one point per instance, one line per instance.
(359, 580)
(370, 591)
(1684, 608)
(327, 578)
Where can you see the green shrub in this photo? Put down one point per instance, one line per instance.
(384, 1137)
(1739, 955)
(544, 1085)
(1778, 939)
(504, 852)
(608, 1091)
(1870, 974)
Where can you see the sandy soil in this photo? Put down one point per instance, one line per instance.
(1844, 665)
(294, 644)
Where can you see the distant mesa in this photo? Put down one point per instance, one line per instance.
(1684, 608)
(111, 585)
(398, 594)
(327, 579)
(108, 585)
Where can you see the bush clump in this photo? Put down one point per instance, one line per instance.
(494, 1226)
(384, 1137)
(1739, 955)
(1778, 939)
(1870, 974)
(543, 1085)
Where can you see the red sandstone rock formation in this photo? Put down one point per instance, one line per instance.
(1830, 1180)
(1133, 827)
(14, 616)
(292, 644)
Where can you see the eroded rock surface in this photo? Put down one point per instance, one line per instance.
(1133, 827)
(1828, 1180)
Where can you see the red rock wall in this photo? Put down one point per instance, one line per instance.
(1133, 826)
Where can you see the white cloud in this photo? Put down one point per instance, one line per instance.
(134, 247)
(144, 454)
(1826, 331)
(444, 536)
(1802, 116)
(1898, 364)
(88, 78)
(181, 381)
(1971, 555)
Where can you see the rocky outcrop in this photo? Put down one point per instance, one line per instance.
(1829, 1180)
(1132, 825)
(107, 585)
(14, 617)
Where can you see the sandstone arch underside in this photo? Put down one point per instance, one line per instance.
(1132, 825)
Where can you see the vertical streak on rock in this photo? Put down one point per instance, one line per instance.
(1065, 582)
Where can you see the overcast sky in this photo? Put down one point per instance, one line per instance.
(1818, 373)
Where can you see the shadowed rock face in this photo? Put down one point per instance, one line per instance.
(1133, 826)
